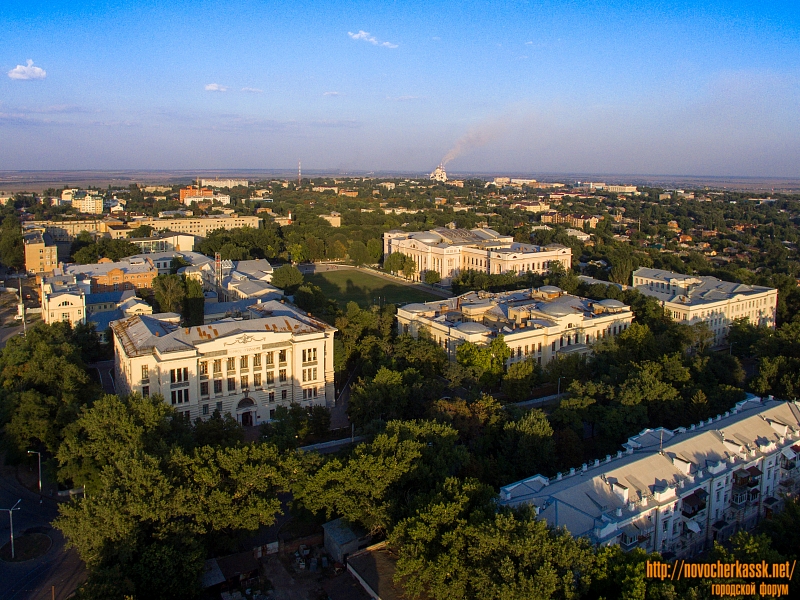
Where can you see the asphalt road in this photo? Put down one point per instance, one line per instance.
(34, 579)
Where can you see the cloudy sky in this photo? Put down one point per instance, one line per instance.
(694, 88)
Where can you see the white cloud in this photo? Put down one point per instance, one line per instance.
(250, 90)
(27, 72)
(529, 43)
(215, 87)
(332, 94)
(404, 98)
(371, 39)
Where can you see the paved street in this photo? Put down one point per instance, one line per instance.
(33, 579)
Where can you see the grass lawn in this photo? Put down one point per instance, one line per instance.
(350, 285)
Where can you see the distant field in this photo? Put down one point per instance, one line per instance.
(351, 285)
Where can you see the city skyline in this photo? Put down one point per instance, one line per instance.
(707, 89)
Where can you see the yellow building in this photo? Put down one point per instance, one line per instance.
(538, 324)
(41, 252)
(244, 368)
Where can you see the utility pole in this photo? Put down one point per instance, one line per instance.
(299, 174)
(11, 524)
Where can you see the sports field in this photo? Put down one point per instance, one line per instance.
(350, 285)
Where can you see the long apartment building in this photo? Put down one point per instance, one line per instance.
(539, 324)
(450, 251)
(244, 368)
(131, 273)
(200, 226)
(691, 299)
(677, 491)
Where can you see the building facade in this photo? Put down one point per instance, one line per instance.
(691, 299)
(41, 252)
(450, 251)
(200, 226)
(538, 324)
(244, 368)
(132, 273)
(88, 203)
(677, 491)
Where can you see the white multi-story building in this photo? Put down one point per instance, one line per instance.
(245, 368)
(538, 324)
(677, 491)
(450, 251)
(691, 299)
(224, 183)
(220, 198)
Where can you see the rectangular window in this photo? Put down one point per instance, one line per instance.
(231, 364)
(272, 397)
(231, 384)
(256, 361)
(146, 391)
(219, 406)
(244, 381)
(272, 413)
(284, 394)
(282, 375)
(257, 380)
(205, 409)
(172, 376)
(270, 358)
(282, 356)
(218, 365)
(304, 374)
(203, 367)
(270, 377)
(314, 374)
(145, 372)
(243, 362)
(218, 386)
(204, 388)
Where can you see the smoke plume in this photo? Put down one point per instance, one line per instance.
(478, 136)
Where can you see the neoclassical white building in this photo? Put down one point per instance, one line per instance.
(691, 299)
(677, 491)
(246, 368)
(540, 324)
(450, 251)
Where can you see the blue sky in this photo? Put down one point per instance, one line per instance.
(706, 88)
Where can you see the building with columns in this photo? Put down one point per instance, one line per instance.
(694, 299)
(246, 368)
(450, 251)
(538, 324)
(677, 491)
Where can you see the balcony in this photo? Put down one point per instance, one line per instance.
(694, 505)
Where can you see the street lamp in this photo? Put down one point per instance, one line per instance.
(39, 454)
(11, 524)
(559, 387)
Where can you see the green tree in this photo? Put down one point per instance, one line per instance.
(409, 267)
(193, 303)
(395, 262)
(169, 292)
(288, 278)
(520, 380)
(432, 277)
(374, 485)
(488, 361)
(375, 250)
(12, 251)
(358, 253)
(459, 545)
(142, 231)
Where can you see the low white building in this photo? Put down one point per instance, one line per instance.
(224, 183)
(540, 324)
(243, 368)
(450, 251)
(677, 491)
(220, 198)
(693, 299)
